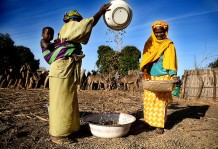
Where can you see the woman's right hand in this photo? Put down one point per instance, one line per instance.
(175, 78)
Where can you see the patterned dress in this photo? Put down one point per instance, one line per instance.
(155, 104)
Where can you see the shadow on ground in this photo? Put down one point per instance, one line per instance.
(181, 113)
(193, 112)
(84, 130)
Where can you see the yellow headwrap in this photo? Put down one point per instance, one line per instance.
(160, 23)
(154, 48)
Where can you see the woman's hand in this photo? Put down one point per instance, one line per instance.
(105, 7)
(102, 10)
(175, 78)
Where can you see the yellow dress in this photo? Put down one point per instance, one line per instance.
(64, 111)
(155, 103)
(63, 80)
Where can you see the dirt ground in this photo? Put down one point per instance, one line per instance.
(191, 124)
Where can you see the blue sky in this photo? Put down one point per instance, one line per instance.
(193, 26)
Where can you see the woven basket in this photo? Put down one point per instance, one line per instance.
(158, 85)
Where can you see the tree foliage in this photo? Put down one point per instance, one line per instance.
(110, 61)
(25, 56)
(6, 50)
(106, 59)
(214, 64)
(13, 56)
(129, 59)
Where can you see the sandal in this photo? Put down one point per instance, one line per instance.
(159, 130)
(61, 140)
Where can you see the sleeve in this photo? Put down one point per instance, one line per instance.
(79, 32)
(170, 58)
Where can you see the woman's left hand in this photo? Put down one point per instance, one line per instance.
(105, 7)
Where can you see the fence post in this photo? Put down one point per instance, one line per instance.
(214, 84)
(184, 84)
(201, 84)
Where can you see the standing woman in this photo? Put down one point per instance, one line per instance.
(159, 62)
(64, 76)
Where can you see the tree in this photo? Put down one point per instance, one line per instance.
(107, 60)
(15, 56)
(214, 64)
(6, 50)
(25, 56)
(129, 59)
(110, 61)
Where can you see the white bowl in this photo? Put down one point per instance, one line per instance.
(119, 16)
(121, 128)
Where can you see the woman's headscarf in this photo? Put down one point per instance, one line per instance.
(72, 14)
(162, 24)
(154, 48)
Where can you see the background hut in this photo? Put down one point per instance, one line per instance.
(200, 84)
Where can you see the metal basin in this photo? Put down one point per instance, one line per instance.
(119, 16)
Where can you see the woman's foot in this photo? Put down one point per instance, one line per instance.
(61, 140)
(159, 130)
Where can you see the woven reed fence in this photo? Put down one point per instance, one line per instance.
(200, 84)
